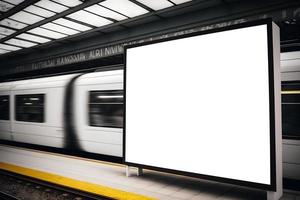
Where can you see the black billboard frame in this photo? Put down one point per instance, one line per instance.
(268, 187)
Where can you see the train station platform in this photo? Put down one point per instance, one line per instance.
(110, 180)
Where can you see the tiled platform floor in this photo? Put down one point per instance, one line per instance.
(151, 183)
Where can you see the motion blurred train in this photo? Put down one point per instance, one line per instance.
(78, 112)
(290, 85)
(84, 112)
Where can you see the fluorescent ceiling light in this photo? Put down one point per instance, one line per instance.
(69, 3)
(15, 2)
(60, 28)
(2, 51)
(9, 47)
(180, 1)
(20, 43)
(13, 24)
(51, 6)
(99, 10)
(125, 7)
(47, 33)
(6, 31)
(4, 7)
(33, 38)
(2, 36)
(71, 24)
(26, 17)
(89, 18)
(156, 5)
(39, 11)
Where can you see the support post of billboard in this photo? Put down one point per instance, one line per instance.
(271, 195)
(139, 171)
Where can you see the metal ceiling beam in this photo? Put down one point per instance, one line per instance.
(174, 4)
(142, 5)
(145, 7)
(17, 8)
(59, 15)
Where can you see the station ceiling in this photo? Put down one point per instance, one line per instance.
(33, 32)
(30, 23)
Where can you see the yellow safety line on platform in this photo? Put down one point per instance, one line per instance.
(72, 183)
(291, 92)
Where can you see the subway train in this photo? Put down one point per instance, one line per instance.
(77, 112)
(84, 113)
(290, 77)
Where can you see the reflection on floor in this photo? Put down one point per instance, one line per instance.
(166, 186)
(150, 183)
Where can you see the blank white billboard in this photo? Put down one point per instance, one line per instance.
(201, 105)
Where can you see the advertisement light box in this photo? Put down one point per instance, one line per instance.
(202, 105)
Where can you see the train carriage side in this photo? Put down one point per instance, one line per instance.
(290, 75)
(5, 106)
(99, 112)
(37, 111)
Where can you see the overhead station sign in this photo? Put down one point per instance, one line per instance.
(208, 112)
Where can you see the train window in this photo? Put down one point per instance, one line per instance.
(30, 108)
(4, 107)
(291, 110)
(106, 108)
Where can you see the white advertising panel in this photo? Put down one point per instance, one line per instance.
(201, 105)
